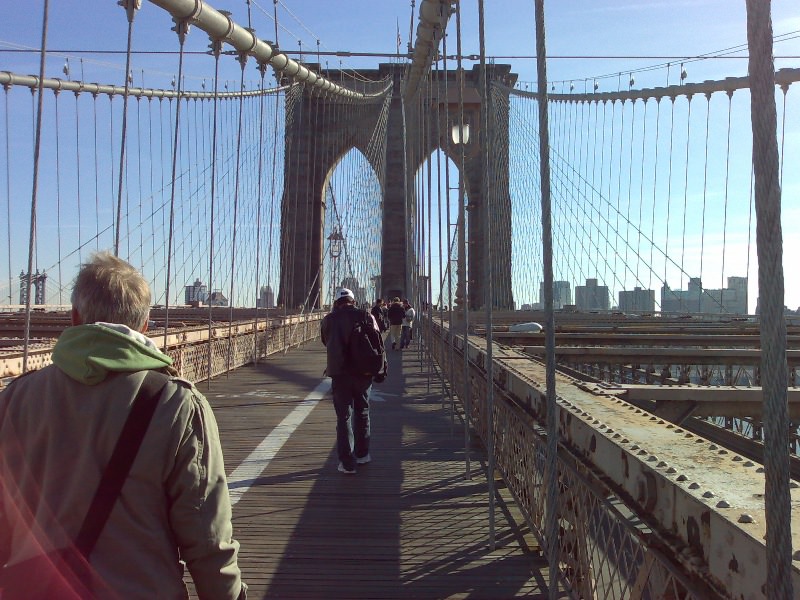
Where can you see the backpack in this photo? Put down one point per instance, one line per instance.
(365, 352)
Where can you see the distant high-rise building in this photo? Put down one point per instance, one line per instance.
(360, 293)
(591, 296)
(197, 293)
(217, 298)
(637, 300)
(266, 297)
(739, 286)
(696, 299)
(562, 294)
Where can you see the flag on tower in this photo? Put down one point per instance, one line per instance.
(399, 41)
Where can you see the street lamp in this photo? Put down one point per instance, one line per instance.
(336, 238)
(376, 282)
(459, 133)
(335, 241)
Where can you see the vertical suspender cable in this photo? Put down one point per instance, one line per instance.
(312, 200)
(58, 194)
(655, 190)
(139, 175)
(488, 256)
(150, 162)
(96, 169)
(551, 466)
(299, 108)
(35, 186)
(640, 223)
(705, 194)
(461, 277)
(78, 170)
(161, 160)
(181, 28)
(447, 248)
(619, 196)
(725, 206)
(275, 167)
(429, 294)
(8, 191)
(242, 58)
(262, 68)
(130, 9)
(428, 239)
(111, 162)
(769, 242)
(686, 182)
(216, 48)
(669, 182)
(630, 184)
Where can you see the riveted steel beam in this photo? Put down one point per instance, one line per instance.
(706, 502)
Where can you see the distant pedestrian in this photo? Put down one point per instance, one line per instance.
(408, 323)
(64, 431)
(396, 314)
(379, 312)
(350, 388)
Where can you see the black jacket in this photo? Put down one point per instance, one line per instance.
(335, 331)
(396, 313)
(379, 312)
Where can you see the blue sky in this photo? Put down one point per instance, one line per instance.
(576, 28)
(643, 34)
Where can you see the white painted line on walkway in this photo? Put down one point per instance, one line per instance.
(253, 466)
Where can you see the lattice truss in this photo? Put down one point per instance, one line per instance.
(647, 192)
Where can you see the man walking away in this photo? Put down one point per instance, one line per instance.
(379, 312)
(396, 314)
(350, 388)
(408, 323)
(58, 428)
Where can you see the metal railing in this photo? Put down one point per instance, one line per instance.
(608, 546)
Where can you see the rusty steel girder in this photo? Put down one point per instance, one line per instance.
(706, 501)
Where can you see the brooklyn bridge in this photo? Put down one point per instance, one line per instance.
(602, 396)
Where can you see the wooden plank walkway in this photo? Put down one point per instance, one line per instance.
(407, 525)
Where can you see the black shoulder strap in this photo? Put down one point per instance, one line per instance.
(118, 467)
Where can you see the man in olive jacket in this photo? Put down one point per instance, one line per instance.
(59, 426)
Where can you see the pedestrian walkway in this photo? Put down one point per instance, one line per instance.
(407, 525)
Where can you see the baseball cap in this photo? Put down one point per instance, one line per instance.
(344, 293)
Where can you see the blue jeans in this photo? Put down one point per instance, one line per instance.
(351, 402)
(405, 337)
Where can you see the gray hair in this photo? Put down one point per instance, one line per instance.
(110, 290)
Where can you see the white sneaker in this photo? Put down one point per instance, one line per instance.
(364, 459)
(342, 469)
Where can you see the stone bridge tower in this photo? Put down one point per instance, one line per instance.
(319, 132)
